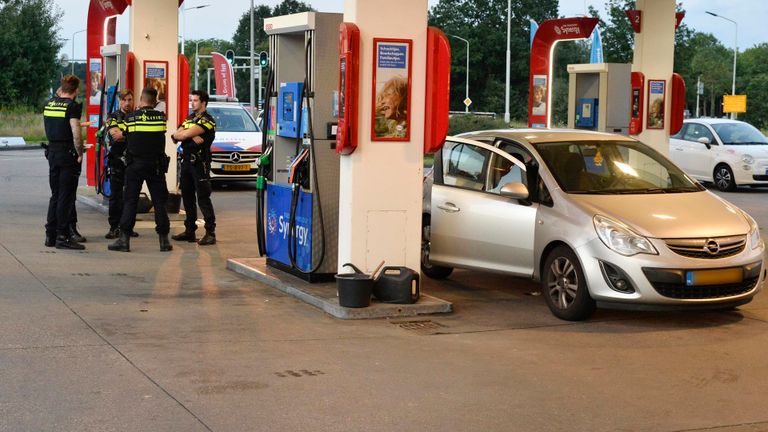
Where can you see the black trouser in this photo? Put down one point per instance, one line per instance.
(143, 169)
(196, 180)
(63, 173)
(116, 187)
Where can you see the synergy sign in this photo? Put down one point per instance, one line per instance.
(278, 229)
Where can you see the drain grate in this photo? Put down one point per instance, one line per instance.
(80, 274)
(299, 373)
(48, 252)
(422, 327)
(118, 274)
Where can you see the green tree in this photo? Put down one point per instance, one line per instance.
(752, 80)
(617, 33)
(241, 40)
(29, 47)
(484, 24)
(711, 62)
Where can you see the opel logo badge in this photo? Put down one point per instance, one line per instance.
(712, 246)
(235, 157)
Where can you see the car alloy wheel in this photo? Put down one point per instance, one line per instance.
(724, 180)
(429, 269)
(564, 286)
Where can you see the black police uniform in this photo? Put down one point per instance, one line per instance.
(63, 170)
(145, 161)
(116, 165)
(195, 176)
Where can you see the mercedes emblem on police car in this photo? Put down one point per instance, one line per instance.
(235, 157)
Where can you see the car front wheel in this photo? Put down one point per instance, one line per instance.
(564, 286)
(724, 180)
(429, 269)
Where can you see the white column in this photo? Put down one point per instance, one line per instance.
(380, 183)
(154, 35)
(654, 56)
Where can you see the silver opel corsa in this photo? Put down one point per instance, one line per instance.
(595, 217)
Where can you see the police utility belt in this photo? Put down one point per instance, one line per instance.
(163, 161)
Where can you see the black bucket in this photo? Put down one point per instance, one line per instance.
(397, 285)
(354, 288)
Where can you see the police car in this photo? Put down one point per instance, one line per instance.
(236, 149)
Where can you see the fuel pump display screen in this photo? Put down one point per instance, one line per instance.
(288, 107)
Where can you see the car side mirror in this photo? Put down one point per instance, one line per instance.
(705, 141)
(514, 190)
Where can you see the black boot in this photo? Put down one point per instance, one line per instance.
(123, 244)
(50, 241)
(113, 233)
(165, 244)
(188, 236)
(76, 235)
(208, 239)
(67, 242)
(134, 234)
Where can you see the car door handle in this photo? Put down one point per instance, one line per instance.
(449, 207)
(679, 148)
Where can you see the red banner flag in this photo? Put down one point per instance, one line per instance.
(225, 76)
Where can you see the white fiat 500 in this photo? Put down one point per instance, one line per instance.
(596, 218)
(728, 153)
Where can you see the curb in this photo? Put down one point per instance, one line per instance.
(323, 295)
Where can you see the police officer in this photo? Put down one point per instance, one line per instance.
(196, 135)
(116, 162)
(145, 161)
(61, 117)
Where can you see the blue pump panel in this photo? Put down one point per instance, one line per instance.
(278, 216)
(288, 109)
(586, 113)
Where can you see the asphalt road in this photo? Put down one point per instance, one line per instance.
(151, 341)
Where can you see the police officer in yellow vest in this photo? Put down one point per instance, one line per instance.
(116, 162)
(145, 161)
(61, 117)
(196, 135)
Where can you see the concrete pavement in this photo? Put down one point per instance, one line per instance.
(151, 341)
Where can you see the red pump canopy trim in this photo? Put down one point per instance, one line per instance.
(438, 90)
(551, 32)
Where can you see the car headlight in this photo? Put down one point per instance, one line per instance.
(748, 159)
(755, 241)
(620, 238)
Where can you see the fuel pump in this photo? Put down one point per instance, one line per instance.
(300, 214)
(115, 59)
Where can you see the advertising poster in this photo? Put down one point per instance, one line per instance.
(539, 95)
(156, 76)
(656, 89)
(94, 88)
(391, 89)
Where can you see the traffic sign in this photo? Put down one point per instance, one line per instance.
(734, 103)
(467, 102)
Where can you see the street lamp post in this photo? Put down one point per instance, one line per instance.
(73, 49)
(184, 22)
(251, 80)
(506, 98)
(735, 51)
(466, 93)
(197, 61)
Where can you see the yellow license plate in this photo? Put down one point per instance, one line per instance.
(714, 277)
(234, 167)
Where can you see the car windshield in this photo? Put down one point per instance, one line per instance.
(613, 167)
(739, 134)
(232, 120)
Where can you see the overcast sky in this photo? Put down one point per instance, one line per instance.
(217, 21)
